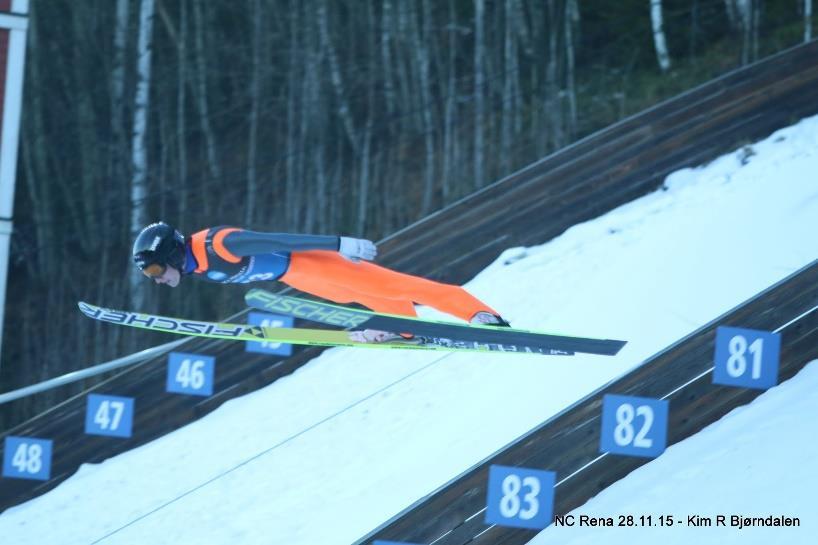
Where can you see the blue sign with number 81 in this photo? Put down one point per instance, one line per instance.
(520, 497)
(746, 358)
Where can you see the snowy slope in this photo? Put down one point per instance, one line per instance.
(756, 462)
(327, 454)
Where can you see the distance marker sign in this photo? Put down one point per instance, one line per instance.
(746, 357)
(27, 458)
(265, 319)
(633, 426)
(109, 415)
(520, 497)
(190, 374)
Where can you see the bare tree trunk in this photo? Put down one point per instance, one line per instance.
(571, 21)
(140, 158)
(479, 85)
(807, 20)
(255, 98)
(361, 215)
(295, 80)
(117, 168)
(213, 163)
(511, 88)
(40, 265)
(181, 107)
(450, 111)
(422, 37)
(756, 18)
(552, 87)
(659, 43)
(386, 58)
(733, 17)
(745, 13)
(335, 75)
(118, 157)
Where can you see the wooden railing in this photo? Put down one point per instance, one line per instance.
(582, 181)
(569, 442)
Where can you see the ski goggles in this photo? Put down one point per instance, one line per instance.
(154, 270)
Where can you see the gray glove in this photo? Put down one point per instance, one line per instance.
(356, 249)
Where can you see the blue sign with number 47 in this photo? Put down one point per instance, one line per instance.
(633, 426)
(520, 497)
(109, 415)
(746, 358)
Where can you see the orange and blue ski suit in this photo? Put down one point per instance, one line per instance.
(312, 264)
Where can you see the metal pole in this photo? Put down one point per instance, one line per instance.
(89, 372)
(13, 30)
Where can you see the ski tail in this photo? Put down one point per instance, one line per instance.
(354, 318)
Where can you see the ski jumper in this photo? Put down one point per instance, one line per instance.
(312, 264)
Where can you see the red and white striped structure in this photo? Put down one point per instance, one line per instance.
(13, 28)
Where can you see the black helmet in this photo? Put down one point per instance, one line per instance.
(159, 244)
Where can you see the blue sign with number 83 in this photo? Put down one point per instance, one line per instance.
(520, 497)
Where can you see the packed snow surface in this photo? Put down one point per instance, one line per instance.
(327, 454)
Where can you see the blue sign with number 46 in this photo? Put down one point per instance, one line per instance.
(190, 374)
(746, 358)
(520, 497)
(633, 426)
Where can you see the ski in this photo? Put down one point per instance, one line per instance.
(330, 314)
(288, 335)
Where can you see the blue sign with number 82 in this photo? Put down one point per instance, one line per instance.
(746, 358)
(520, 497)
(633, 426)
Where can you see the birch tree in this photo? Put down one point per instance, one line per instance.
(571, 21)
(510, 86)
(479, 89)
(255, 100)
(139, 180)
(202, 100)
(659, 43)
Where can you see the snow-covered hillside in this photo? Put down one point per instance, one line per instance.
(330, 452)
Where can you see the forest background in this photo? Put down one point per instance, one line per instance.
(334, 117)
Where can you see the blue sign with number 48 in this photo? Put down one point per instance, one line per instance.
(27, 458)
(520, 497)
(746, 358)
(633, 426)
